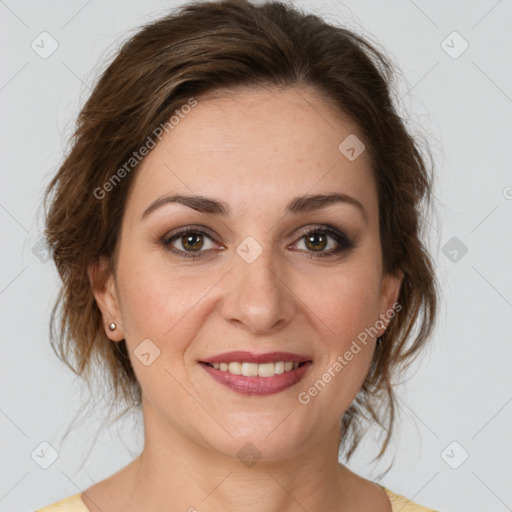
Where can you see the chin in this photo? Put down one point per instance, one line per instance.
(261, 437)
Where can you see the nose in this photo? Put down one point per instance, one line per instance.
(257, 296)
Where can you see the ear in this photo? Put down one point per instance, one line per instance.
(390, 290)
(105, 292)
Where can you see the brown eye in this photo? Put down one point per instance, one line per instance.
(316, 241)
(192, 242)
(188, 241)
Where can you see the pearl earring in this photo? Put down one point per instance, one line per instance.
(112, 326)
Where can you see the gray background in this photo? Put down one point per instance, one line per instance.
(459, 391)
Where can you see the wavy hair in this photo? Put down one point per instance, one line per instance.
(197, 48)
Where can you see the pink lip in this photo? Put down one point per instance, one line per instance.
(258, 385)
(250, 357)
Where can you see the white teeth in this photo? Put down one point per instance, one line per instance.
(256, 370)
(266, 370)
(250, 369)
(235, 368)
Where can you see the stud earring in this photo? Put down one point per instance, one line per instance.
(112, 326)
(379, 339)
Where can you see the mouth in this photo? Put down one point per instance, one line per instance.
(257, 374)
(264, 370)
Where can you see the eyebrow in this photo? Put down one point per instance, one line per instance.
(213, 206)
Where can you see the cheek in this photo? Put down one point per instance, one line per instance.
(160, 303)
(157, 305)
(345, 310)
(345, 304)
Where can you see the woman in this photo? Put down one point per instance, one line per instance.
(237, 230)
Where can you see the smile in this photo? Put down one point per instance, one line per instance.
(256, 370)
(257, 374)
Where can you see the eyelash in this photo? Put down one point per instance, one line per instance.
(344, 243)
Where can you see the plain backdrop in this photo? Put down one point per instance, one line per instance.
(454, 445)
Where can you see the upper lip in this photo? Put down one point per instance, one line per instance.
(250, 357)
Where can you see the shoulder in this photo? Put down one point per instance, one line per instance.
(70, 504)
(402, 504)
(75, 504)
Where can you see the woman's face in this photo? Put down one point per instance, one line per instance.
(258, 282)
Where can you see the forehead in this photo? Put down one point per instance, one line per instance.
(246, 145)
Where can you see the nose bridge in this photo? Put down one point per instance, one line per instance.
(257, 295)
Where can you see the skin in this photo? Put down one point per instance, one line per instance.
(288, 299)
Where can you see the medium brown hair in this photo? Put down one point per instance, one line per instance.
(229, 44)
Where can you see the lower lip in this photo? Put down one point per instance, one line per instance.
(259, 385)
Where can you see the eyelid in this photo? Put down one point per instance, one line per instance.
(195, 228)
(343, 241)
(181, 232)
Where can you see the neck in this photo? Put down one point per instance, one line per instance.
(175, 472)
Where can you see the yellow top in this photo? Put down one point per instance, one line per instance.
(75, 504)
